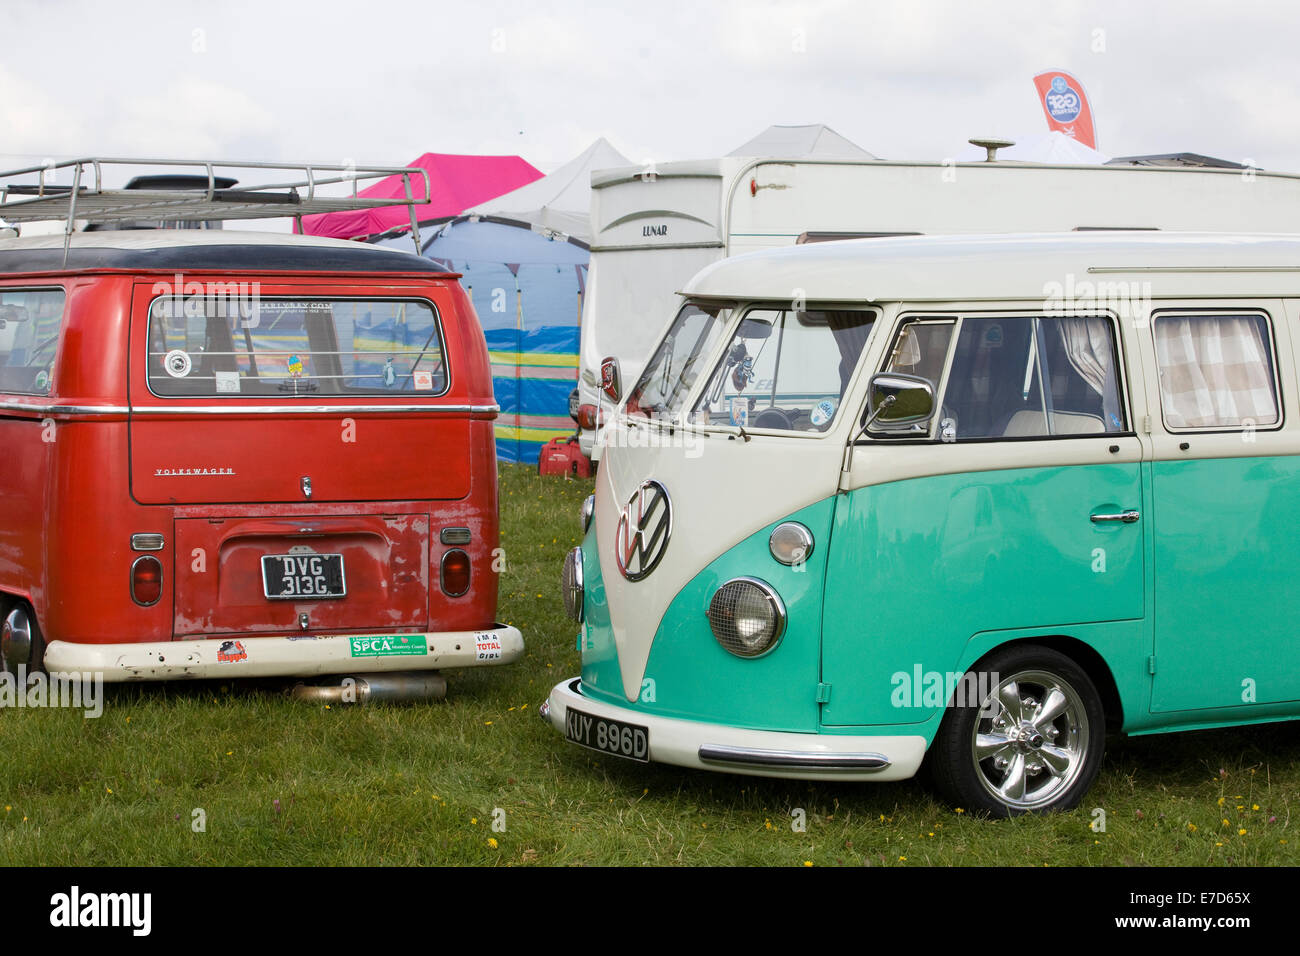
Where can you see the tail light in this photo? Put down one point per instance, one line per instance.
(455, 573)
(146, 580)
(587, 416)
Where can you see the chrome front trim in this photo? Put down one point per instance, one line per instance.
(749, 757)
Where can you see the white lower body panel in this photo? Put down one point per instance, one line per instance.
(759, 753)
(294, 656)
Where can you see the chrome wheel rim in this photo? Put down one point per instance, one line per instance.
(1030, 740)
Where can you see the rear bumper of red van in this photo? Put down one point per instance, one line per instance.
(301, 655)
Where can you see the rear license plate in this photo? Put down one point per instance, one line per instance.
(608, 736)
(298, 577)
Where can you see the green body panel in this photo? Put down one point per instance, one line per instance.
(919, 567)
(933, 573)
(1227, 576)
(693, 677)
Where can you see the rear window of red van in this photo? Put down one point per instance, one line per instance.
(218, 346)
(30, 320)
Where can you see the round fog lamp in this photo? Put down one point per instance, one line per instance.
(791, 543)
(747, 617)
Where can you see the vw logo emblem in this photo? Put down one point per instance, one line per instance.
(644, 528)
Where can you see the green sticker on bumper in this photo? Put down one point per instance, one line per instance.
(389, 645)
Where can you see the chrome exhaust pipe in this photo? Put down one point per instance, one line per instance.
(399, 686)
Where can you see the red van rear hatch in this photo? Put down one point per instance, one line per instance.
(309, 432)
(266, 575)
(251, 393)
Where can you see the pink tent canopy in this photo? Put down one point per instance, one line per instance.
(455, 184)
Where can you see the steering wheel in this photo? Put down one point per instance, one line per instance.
(772, 417)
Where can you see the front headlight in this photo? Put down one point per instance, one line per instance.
(571, 584)
(747, 617)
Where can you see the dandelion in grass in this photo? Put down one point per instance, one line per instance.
(492, 842)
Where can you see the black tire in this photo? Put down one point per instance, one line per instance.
(1033, 762)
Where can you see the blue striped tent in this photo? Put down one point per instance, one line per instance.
(527, 289)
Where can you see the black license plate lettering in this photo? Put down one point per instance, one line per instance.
(613, 737)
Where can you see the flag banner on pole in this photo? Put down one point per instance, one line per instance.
(1066, 105)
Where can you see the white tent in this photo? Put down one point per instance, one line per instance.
(558, 203)
(1054, 147)
(801, 142)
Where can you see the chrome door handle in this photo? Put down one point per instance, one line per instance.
(1128, 517)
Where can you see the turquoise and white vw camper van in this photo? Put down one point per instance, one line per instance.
(967, 502)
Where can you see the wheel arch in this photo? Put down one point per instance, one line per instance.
(1086, 656)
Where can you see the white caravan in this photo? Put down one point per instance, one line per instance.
(655, 227)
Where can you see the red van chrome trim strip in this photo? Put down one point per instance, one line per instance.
(63, 409)
(312, 409)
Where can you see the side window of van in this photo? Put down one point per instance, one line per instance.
(30, 321)
(215, 347)
(1216, 371)
(1010, 377)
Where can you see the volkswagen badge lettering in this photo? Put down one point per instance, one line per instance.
(644, 528)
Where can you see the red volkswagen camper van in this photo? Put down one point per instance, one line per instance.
(242, 454)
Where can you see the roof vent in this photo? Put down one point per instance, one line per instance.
(992, 146)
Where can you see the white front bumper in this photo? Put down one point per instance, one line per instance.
(759, 753)
(296, 656)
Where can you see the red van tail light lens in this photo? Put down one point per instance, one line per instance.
(455, 573)
(146, 580)
(587, 416)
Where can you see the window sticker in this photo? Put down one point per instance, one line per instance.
(422, 380)
(227, 382)
(822, 412)
(178, 364)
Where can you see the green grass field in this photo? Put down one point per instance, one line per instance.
(277, 782)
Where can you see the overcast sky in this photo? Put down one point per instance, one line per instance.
(382, 82)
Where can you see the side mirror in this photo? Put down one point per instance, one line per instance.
(574, 404)
(896, 401)
(610, 380)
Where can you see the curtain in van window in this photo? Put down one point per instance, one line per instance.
(1090, 352)
(1215, 370)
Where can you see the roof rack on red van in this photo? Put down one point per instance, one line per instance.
(164, 199)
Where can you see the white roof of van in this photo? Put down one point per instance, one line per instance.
(1024, 267)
